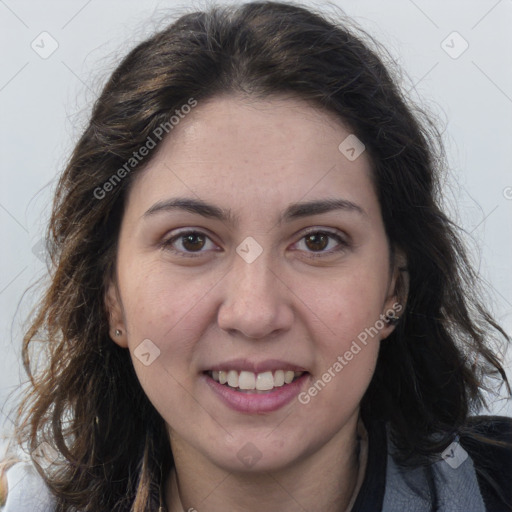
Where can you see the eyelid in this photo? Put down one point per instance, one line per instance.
(343, 240)
(167, 242)
(321, 229)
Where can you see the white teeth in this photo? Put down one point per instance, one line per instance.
(264, 381)
(247, 380)
(279, 378)
(233, 378)
(288, 376)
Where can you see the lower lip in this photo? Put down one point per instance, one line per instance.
(257, 402)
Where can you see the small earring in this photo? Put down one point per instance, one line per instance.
(118, 332)
(392, 320)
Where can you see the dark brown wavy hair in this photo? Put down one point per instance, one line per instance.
(86, 400)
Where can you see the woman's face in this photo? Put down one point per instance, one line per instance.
(252, 246)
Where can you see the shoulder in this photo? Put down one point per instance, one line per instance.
(473, 473)
(488, 441)
(26, 490)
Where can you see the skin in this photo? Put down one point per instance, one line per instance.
(255, 158)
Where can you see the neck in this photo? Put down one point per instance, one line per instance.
(337, 468)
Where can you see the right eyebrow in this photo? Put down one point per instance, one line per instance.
(299, 210)
(196, 206)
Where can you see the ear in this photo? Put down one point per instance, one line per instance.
(398, 290)
(117, 327)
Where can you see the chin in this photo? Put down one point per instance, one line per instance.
(257, 453)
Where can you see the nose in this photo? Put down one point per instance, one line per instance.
(257, 303)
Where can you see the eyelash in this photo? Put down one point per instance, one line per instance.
(343, 243)
(168, 244)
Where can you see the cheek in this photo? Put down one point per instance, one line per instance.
(346, 306)
(347, 341)
(159, 305)
(343, 317)
(172, 314)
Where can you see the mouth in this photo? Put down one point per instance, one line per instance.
(255, 393)
(254, 383)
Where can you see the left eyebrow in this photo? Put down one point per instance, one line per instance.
(299, 210)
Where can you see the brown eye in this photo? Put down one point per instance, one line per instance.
(322, 244)
(189, 244)
(317, 241)
(193, 241)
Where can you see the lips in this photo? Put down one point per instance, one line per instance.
(255, 386)
(254, 401)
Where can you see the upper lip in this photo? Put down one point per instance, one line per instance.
(255, 366)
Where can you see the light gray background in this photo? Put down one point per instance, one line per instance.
(45, 102)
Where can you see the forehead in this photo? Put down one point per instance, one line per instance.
(253, 152)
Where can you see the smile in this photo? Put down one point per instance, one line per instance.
(246, 381)
(255, 393)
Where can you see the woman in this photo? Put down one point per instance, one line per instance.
(256, 301)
